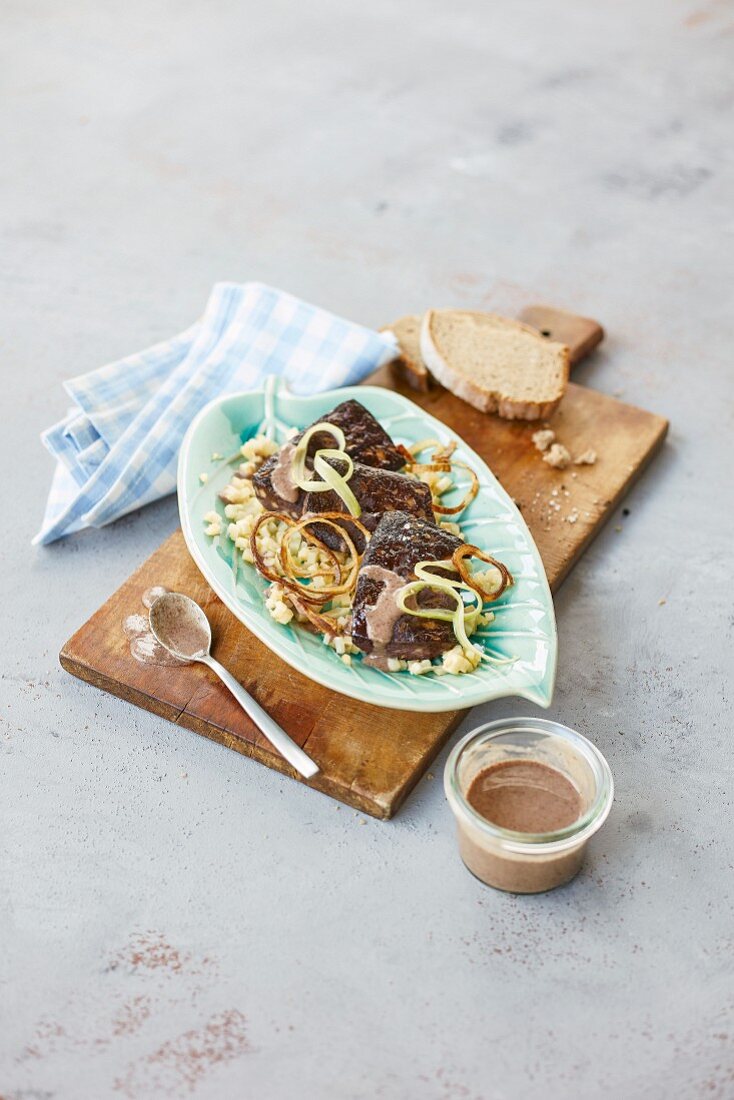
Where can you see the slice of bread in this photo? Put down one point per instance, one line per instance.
(407, 331)
(495, 364)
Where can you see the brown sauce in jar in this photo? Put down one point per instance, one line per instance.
(525, 796)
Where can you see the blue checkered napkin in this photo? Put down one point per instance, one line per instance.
(117, 449)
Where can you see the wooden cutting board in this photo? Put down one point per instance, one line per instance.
(370, 758)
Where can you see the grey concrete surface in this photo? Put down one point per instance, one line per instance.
(178, 921)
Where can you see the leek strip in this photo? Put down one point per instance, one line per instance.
(313, 485)
(456, 617)
(298, 466)
(422, 573)
(337, 481)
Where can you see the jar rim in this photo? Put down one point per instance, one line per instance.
(535, 843)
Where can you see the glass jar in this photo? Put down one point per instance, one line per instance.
(527, 863)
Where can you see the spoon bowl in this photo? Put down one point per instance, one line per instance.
(181, 627)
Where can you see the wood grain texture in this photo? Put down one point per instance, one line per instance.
(370, 757)
(624, 437)
(580, 334)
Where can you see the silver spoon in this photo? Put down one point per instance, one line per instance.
(183, 629)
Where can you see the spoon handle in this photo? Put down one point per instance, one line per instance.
(275, 735)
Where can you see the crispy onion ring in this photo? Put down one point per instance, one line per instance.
(317, 619)
(409, 458)
(442, 461)
(440, 450)
(322, 595)
(287, 579)
(260, 565)
(292, 569)
(431, 467)
(472, 492)
(469, 551)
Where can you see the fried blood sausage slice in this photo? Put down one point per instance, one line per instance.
(274, 474)
(398, 544)
(366, 441)
(378, 492)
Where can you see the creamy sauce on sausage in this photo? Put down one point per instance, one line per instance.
(281, 477)
(380, 619)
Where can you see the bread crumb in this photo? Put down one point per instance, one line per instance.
(555, 454)
(203, 478)
(543, 438)
(588, 458)
(661, 601)
(557, 457)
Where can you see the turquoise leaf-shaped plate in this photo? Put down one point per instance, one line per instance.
(524, 627)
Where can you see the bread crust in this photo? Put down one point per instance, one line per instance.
(409, 366)
(489, 400)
